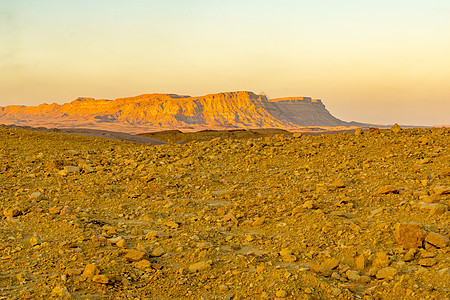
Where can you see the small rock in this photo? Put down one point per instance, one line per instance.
(258, 221)
(338, 184)
(150, 235)
(281, 294)
(142, 264)
(61, 292)
(441, 190)
(330, 263)
(36, 195)
(69, 170)
(66, 210)
(359, 131)
(202, 265)
(100, 279)
(289, 258)
(309, 205)
(360, 262)
(386, 273)
(12, 212)
(437, 240)
(396, 129)
(388, 189)
(134, 255)
(410, 255)
(173, 225)
(115, 240)
(158, 252)
(285, 251)
(321, 270)
(352, 275)
(381, 260)
(427, 262)
(438, 209)
(35, 240)
(409, 235)
(121, 243)
(54, 210)
(90, 270)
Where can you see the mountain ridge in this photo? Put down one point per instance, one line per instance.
(240, 109)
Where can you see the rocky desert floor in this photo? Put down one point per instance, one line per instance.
(344, 216)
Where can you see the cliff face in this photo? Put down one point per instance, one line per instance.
(164, 111)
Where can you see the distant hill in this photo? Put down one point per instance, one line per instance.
(151, 112)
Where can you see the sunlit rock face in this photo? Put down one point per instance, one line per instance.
(164, 111)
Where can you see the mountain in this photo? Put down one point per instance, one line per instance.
(150, 112)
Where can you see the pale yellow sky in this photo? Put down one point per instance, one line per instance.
(380, 62)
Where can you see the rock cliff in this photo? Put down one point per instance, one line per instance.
(164, 111)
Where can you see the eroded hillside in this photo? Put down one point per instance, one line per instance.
(153, 112)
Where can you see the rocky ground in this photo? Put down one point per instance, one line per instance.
(344, 216)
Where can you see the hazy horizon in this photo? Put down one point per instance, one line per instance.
(384, 62)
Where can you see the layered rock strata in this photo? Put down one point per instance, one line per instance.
(163, 111)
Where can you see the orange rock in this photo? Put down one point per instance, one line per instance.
(409, 235)
(437, 240)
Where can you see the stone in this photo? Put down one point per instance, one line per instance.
(409, 235)
(338, 184)
(360, 262)
(396, 129)
(441, 190)
(35, 240)
(36, 196)
(388, 189)
(61, 292)
(381, 260)
(173, 225)
(69, 170)
(386, 273)
(289, 258)
(281, 294)
(90, 270)
(427, 262)
(285, 251)
(100, 279)
(199, 266)
(438, 209)
(12, 212)
(310, 205)
(410, 255)
(54, 210)
(134, 255)
(150, 235)
(66, 210)
(142, 264)
(116, 239)
(436, 239)
(258, 221)
(121, 243)
(352, 275)
(331, 263)
(159, 251)
(321, 270)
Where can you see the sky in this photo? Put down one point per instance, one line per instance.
(383, 62)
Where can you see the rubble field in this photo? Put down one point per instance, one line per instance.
(361, 215)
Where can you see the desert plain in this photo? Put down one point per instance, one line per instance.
(356, 215)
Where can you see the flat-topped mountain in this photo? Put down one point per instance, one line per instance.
(169, 111)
